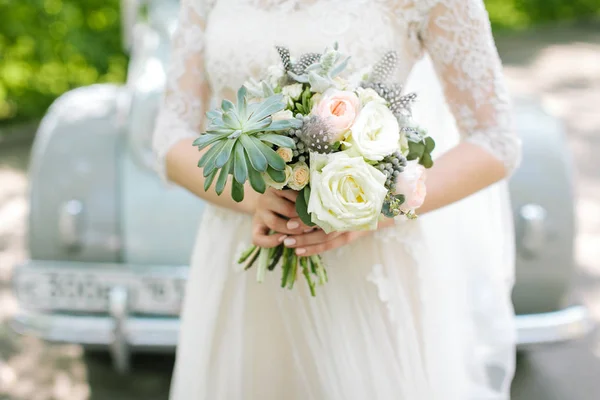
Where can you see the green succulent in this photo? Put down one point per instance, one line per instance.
(241, 145)
(320, 75)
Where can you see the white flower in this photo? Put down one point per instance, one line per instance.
(355, 79)
(346, 194)
(274, 75)
(367, 95)
(285, 153)
(375, 132)
(300, 176)
(292, 92)
(278, 185)
(282, 115)
(403, 144)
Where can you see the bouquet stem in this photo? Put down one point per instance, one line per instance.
(268, 259)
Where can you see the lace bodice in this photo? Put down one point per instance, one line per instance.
(219, 44)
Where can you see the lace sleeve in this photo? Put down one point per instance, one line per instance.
(187, 91)
(458, 36)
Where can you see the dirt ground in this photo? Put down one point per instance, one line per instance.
(560, 66)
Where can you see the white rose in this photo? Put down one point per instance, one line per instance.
(274, 75)
(282, 115)
(300, 176)
(278, 185)
(292, 92)
(346, 194)
(368, 95)
(375, 132)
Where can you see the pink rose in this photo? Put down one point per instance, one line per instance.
(411, 183)
(339, 108)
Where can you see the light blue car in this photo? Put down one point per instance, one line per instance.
(105, 273)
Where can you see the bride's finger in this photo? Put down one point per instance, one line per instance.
(281, 206)
(338, 241)
(309, 239)
(290, 195)
(262, 238)
(279, 224)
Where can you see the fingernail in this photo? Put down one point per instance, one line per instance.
(300, 251)
(281, 238)
(289, 242)
(293, 224)
(308, 230)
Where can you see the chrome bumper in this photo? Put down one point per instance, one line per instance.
(121, 334)
(553, 327)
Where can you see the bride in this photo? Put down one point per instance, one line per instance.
(417, 310)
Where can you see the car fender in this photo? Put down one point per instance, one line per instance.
(543, 207)
(74, 177)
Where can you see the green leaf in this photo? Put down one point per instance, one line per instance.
(257, 159)
(241, 102)
(237, 191)
(426, 161)
(429, 144)
(302, 206)
(212, 114)
(211, 154)
(240, 168)
(225, 153)
(386, 210)
(267, 108)
(231, 120)
(209, 180)
(278, 140)
(415, 150)
(207, 139)
(277, 176)
(222, 179)
(300, 108)
(401, 198)
(283, 125)
(274, 159)
(256, 180)
(227, 105)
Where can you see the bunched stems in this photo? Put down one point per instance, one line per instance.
(268, 259)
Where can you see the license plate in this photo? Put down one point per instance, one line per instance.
(89, 291)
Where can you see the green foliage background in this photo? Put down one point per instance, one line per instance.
(50, 46)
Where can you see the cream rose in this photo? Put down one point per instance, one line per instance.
(278, 185)
(285, 153)
(411, 184)
(282, 115)
(347, 193)
(375, 133)
(300, 176)
(340, 109)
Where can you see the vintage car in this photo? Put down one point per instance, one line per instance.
(103, 271)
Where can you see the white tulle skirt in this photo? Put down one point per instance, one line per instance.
(420, 311)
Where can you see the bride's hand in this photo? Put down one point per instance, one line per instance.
(276, 211)
(317, 242)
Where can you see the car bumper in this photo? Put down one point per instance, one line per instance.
(161, 334)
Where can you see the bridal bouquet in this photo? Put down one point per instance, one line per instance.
(346, 144)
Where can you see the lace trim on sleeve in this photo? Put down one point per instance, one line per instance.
(186, 93)
(458, 36)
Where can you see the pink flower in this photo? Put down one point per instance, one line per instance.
(339, 108)
(411, 183)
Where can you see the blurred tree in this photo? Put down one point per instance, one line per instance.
(50, 46)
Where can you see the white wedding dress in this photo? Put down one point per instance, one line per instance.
(421, 311)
